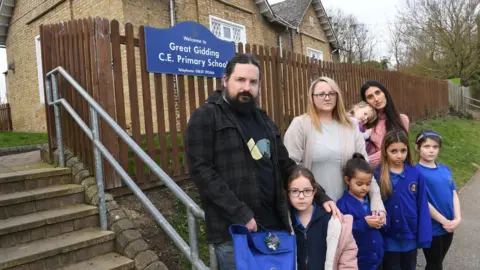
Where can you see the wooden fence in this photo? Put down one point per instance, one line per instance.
(5, 117)
(155, 108)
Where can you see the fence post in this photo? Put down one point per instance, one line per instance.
(9, 117)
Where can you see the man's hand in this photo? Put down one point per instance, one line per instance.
(251, 225)
(331, 207)
(374, 221)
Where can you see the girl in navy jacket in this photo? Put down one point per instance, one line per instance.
(323, 242)
(405, 197)
(358, 176)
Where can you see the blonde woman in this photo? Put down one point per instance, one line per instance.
(324, 138)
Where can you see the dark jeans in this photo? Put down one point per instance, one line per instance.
(399, 260)
(436, 253)
(225, 256)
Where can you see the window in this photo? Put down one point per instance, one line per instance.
(312, 53)
(38, 50)
(227, 30)
(312, 20)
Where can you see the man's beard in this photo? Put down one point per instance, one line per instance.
(243, 102)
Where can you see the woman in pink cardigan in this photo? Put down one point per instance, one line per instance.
(388, 117)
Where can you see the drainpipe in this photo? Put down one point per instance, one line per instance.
(172, 13)
(292, 40)
(280, 40)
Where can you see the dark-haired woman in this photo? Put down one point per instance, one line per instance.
(378, 96)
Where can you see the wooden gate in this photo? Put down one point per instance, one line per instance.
(5, 117)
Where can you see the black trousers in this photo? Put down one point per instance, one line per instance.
(399, 260)
(436, 253)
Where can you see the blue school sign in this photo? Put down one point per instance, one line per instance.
(188, 48)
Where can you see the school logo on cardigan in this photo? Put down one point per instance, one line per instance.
(413, 187)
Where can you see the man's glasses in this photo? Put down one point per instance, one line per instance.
(306, 192)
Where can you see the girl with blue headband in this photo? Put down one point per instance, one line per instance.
(443, 200)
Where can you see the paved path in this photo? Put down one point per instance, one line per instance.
(23, 161)
(464, 254)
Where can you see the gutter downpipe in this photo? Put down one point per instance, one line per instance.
(172, 13)
(280, 40)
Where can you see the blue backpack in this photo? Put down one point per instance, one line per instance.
(263, 250)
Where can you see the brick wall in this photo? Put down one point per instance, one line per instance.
(22, 85)
(313, 35)
(28, 114)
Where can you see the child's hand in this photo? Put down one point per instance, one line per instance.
(369, 131)
(452, 225)
(381, 215)
(374, 221)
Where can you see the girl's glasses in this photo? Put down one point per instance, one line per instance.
(306, 192)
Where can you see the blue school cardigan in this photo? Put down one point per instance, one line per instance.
(407, 209)
(369, 240)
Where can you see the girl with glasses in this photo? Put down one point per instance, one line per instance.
(323, 242)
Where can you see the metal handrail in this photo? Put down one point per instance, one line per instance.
(191, 251)
(472, 99)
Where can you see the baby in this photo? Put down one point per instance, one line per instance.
(361, 114)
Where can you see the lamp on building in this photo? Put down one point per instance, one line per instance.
(11, 65)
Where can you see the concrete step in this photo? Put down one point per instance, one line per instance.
(109, 261)
(55, 252)
(32, 179)
(26, 202)
(38, 225)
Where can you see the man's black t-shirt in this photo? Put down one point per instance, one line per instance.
(259, 144)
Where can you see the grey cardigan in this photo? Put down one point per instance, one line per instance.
(300, 138)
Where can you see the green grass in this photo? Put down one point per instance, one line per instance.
(455, 81)
(179, 220)
(461, 145)
(131, 161)
(11, 139)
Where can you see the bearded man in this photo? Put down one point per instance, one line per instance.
(238, 162)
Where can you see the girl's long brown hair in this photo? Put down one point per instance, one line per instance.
(394, 136)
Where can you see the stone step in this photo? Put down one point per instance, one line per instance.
(26, 202)
(32, 179)
(57, 251)
(109, 261)
(38, 225)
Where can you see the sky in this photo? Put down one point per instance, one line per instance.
(376, 14)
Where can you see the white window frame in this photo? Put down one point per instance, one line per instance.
(38, 51)
(225, 23)
(311, 51)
